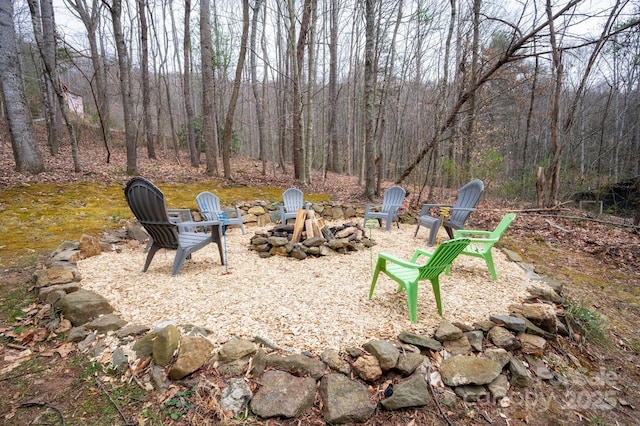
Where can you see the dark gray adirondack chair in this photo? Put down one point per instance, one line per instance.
(292, 201)
(392, 201)
(468, 198)
(209, 205)
(147, 203)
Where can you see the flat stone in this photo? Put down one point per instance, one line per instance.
(420, 341)
(463, 370)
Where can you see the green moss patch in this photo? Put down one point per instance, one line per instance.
(37, 218)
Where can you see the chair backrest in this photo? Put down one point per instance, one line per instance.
(293, 199)
(468, 197)
(502, 226)
(146, 201)
(209, 205)
(392, 198)
(442, 257)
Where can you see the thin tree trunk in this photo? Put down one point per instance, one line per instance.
(144, 72)
(125, 87)
(209, 130)
(191, 131)
(368, 101)
(257, 95)
(332, 131)
(227, 131)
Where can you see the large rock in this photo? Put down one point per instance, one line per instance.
(386, 353)
(283, 394)
(165, 343)
(344, 400)
(419, 340)
(83, 306)
(235, 397)
(193, 354)
(297, 364)
(541, 314)
(413, 392)
(105, 323)
(463, 370)
(367, 367)
(236, 349)
(503, 338)
(447, 331)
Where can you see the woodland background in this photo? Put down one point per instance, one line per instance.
(538, 99)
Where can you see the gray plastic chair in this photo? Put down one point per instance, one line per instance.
(147, 203)
(209, 205)
(468, 197)
(391, 202)
(292, 201)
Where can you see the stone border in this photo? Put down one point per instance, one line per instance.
(488, 360)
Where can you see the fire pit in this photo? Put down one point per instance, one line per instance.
(284, 240)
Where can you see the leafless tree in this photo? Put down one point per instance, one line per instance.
(25, 148)
(209, 128)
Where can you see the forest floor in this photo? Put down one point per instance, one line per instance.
(597, 261)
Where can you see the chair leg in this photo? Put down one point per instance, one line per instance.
(379, 266)
(412, 301)
(181, 255)
(489, 259)
(417, 227)
(449, 231)
(152, 252)
(435, 285)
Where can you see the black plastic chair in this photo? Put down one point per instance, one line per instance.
(147, 203)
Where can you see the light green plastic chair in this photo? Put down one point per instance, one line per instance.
(408, 273)
(481, 246)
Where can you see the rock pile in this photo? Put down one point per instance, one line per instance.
(336, 239)
(489, 361)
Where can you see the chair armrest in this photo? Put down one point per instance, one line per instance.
(465, 209)
(176, 215)
(185, 225)
(367, 207)
(418, 253)
(398, 261)
(426, 207)
(460, 232)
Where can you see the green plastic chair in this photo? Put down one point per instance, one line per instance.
(408, 273)
(481, 246)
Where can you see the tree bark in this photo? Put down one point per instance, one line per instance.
(186, 89)
(368, 101)
(209, 129)
(144, 73)
(25, 149)
(125, 86)
(257, 94)
(227, 132)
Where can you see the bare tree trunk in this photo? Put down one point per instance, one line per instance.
(471, 104)
(308, 137)
(297, 55)
(257, 95)
(209, 129)
(227, 131)
(332, 131)
(90, 18)
(51, 73)
(144, 72)
(368, 101)
(25, 148)
(191, 131)
(44, 31)
(125, 87)
(553, 172)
